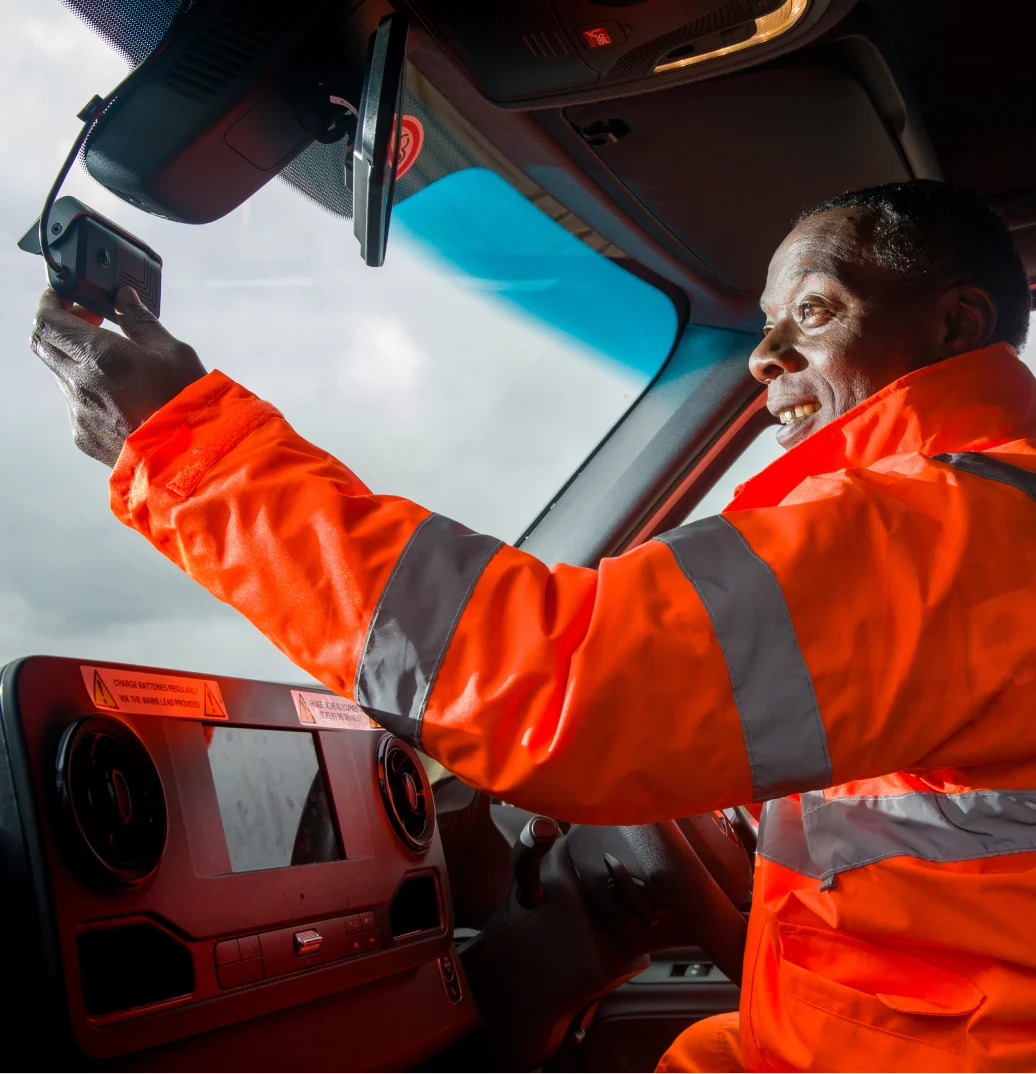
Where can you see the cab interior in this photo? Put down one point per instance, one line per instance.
(658, 151)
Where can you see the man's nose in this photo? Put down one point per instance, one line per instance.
(773, 356)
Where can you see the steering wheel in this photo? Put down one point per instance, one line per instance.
(651, 882)
(611, 896)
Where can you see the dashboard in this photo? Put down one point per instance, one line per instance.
(206, 870)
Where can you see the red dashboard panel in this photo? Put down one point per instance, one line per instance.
(191, 875)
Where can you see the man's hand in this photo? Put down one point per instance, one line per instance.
(112, 383)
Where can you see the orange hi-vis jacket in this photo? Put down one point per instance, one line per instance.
(853, 642)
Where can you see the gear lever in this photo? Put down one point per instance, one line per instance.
(537, 837)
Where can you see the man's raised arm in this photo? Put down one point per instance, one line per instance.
(734, 659)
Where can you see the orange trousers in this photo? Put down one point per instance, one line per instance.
(713, 1044)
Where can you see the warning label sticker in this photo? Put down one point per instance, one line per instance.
(145, 693)
(330, 711)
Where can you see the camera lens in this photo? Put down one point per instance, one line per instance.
(104, 259)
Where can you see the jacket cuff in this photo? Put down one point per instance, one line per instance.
(169, 455)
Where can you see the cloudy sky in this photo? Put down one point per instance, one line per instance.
(427, 387)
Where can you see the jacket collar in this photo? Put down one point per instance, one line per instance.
(971, 402)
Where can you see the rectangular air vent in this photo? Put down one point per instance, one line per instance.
(132, 966)
(415, 907)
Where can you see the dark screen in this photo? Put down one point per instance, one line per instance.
(272, 798)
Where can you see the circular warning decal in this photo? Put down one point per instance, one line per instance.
(411, 139)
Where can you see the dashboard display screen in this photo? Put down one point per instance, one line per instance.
(272, 798)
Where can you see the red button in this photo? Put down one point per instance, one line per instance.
(227, 951)
(367, 920)
(249, 946)
(371, 940)
(354, 944)
(596, 36)
(353, 925)
(251, 970)
(230, 975)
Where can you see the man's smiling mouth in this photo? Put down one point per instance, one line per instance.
(795, 413)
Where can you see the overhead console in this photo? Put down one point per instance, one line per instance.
(521, 52)
(756, 147)
(184, 855)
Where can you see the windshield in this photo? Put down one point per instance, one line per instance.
(473, 373)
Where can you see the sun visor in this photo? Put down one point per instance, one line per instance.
(723, 168)
(236, 91)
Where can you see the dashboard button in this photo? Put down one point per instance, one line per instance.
(450, 981)
(353, 925)
(354, 944)
(227, 951)
(307, 942)
(229, 976)
(248, 946)
(251, 970)
(371, 940)
(283, 951)
(367, 920)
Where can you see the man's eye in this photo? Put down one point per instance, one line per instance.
(811, 312)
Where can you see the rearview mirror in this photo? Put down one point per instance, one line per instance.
(377, 137)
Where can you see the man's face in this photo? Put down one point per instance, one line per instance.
(838, 326)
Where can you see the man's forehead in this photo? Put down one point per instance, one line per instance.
(831, 244)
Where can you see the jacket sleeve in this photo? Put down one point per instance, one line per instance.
(743, 657)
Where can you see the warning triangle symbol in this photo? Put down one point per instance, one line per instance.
(305, 716)
(102, 695)
(213, 707)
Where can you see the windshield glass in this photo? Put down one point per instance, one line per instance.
(472, 373)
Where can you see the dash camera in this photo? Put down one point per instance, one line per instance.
(94, 258)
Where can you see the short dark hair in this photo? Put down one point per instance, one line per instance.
(942, 234)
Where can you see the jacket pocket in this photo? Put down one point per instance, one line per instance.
(893, 994)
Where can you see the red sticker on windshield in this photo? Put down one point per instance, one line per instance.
(411, 139)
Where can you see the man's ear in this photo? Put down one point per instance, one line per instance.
(969, 319)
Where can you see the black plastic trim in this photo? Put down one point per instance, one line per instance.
(682, 413)
(36, 1004)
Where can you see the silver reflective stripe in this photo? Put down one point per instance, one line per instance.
(782, 838)
(414, 621)
(981, 465)
(846, 833)
(773, 691)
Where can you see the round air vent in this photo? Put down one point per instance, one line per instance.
(406, 792)
(112, 795)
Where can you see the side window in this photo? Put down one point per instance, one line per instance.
(758, 455)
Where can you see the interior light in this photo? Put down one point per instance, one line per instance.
(766, 28)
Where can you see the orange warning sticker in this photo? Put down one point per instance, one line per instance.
(330, 711)
(102, 695)
(146, 693)
(411, 140)
(213, 702)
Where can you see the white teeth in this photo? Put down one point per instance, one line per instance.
(804, 411)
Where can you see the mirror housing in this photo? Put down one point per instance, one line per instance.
(378, 128)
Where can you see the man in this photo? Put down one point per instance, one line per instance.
(863, 607)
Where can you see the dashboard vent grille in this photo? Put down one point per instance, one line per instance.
(406, 793)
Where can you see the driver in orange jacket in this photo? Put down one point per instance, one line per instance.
(851, 642)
